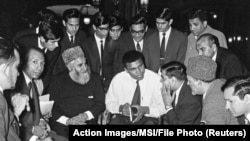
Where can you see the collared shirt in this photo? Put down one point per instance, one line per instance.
(70, 36)
(122, 88)
(177, 93)
(98, 42)
(214, 57)
(248, 117)
(1, 89)
(141, 44)
(167, 34)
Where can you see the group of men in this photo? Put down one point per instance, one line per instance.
(119, 73)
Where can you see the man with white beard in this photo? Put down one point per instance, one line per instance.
(77, 92)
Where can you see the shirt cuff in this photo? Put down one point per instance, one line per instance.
(33, 138)
(63, 120)
(90, 115)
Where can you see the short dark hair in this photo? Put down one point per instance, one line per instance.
(175, 69)
(138, 19)
(71, 13)
(164, 13)
(25, 54)
(50, 30)
(100, 19)
(45, 15)
(132, 56)
(198, 13)
(6, 50)
(114, 21)
(240, 84)
(211, 38)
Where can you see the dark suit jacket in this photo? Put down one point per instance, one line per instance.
(50, 57)
(126, 43)
(175, 50)
(27, 118)
(187, 110)
(228, 65)
(8, 127)
(28, 31)
(91, 49)
(65, 44)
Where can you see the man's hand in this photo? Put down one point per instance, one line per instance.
(141, 111)
(20, 102)
(44, 125)
(40, 132)
(124, 109)
(167, 98)
(78, 120)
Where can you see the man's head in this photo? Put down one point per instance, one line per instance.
(197, 21)
(33, 62)
(115, 27)
(133, 62)
(101, 25)
(9, 62)
(71, 21)
(172, 73)
(138, 27)
(76, 62)
(164, 19)
(200, 70)
(207, 45)
(50, 33)
(237, 95)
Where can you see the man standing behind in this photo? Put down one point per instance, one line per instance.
(136, 89)
(166, 45)
(182, 107)
(72, 34)
(78, 93)
(198, 25)
(201, 79)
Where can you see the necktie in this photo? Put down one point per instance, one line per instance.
(137, 95)
(138, 47)
(71, 41)
(35, 102)
(101, 56)
(173, 103)
(162, 50)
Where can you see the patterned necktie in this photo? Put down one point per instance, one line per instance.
(162, 49)
(138, 47)
(137, 95)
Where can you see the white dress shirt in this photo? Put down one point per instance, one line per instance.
(122, 88)
(167, 34)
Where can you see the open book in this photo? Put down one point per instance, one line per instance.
(45, 104)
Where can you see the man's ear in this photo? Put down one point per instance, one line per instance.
(146, 29)
(64, 23)
(94, 27)
(42, 39)
(205, 23)
(247, 98)
(170, 21)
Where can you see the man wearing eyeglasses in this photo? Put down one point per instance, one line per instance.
(97, 50)
(167, 44)
(135, 39)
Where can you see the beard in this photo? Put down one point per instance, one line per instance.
(81, 77)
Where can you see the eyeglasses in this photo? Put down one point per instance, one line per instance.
(137, 32)
(103, 28)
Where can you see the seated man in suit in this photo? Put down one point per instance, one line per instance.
(135, 89)
(237, 95)
(34, 127)
(228, 64)
(9, 61)
(201, 79)
(182, 107)
(77, 92)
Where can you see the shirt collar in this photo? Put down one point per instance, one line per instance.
(98, 39)
(248, 116)
(27, 79)
(1, 89)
